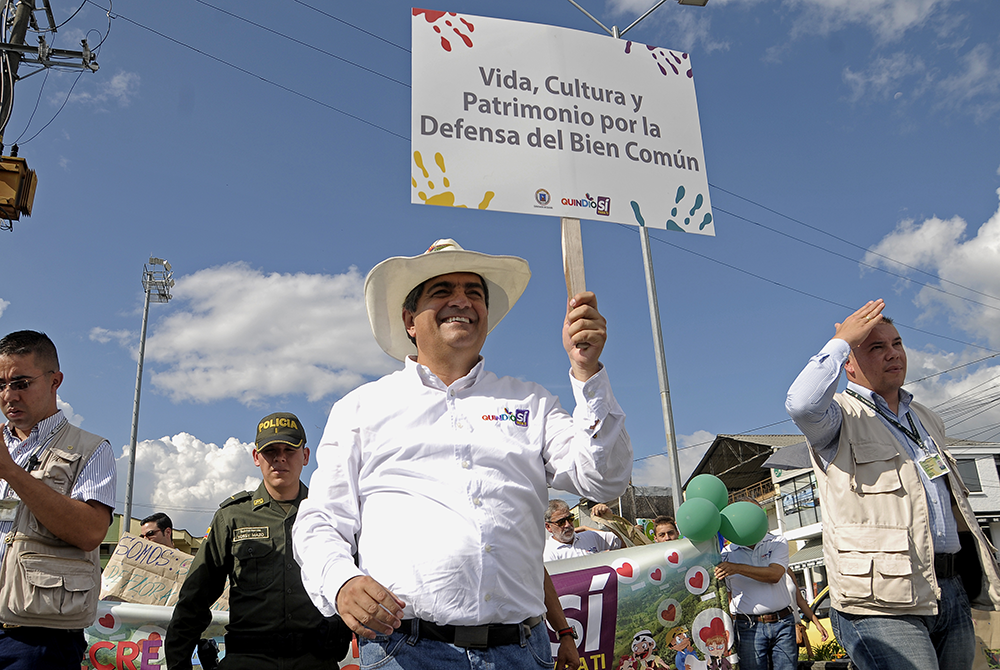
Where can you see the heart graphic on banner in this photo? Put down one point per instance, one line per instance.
(674, 557)
(656, 574)
(698, 580)
(625, 570)
(669, 611)
(108, 620)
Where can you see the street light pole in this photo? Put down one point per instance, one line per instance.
(157, 280)
(654, 309)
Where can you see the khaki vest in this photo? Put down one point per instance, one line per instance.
(877, 544)
(44, 581)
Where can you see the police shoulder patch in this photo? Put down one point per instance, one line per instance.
(235, 498)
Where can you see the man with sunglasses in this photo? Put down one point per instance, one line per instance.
(565, 542)
(57, 494)
(158, 528)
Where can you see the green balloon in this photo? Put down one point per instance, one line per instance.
(743, 523)
(708, 487)
(698, 519)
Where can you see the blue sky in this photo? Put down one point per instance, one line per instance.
(270, 165)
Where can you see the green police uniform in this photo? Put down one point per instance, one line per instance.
(272, 622)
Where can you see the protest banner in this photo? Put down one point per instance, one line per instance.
(148, 573)
(648, 607)
(536, 119)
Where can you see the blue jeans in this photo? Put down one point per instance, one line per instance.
(30, 648)
(911, 642)
(767, 646)
(406, 650)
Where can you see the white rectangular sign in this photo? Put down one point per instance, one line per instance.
(535, 119)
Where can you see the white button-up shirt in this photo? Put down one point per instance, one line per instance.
(441, 491)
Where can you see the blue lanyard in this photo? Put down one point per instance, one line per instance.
(912, 433)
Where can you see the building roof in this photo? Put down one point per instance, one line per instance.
(738, 460)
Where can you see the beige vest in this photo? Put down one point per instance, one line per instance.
(877, 545)
(44, 581)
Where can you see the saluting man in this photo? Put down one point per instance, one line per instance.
(272, 623)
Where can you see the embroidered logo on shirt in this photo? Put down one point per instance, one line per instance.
(251, 533)
(518, 416)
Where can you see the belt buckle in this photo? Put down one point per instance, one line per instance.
(770, 617)
(472, 637)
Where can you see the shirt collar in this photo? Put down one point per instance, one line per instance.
(904, 398)
(262, 497)
(43, 427)
(431, 380)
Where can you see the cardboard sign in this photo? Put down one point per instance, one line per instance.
(536, 119)
(148, 573)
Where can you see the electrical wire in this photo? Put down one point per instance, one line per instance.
(351, 25)
(75, 81)
(301, 43)
(264, 79)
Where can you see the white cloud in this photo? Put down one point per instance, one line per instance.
(67, 409)
(940, 247)
(3, 305)
(976, 87)
(124, 338)
(186, 478)
(690, 450)
(684, 27)
(248, 335)
(884, 76)
(120, 88)
(888, 19)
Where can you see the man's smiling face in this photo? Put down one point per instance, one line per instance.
(451, 315)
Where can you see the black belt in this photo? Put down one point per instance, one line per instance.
(770, 617)
(331, 637)
(945, 565)
(476, 637)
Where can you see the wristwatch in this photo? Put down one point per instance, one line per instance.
(568, 631)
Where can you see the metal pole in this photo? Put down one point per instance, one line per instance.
(127, 516)
(661, 366)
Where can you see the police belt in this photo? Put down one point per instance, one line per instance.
(476, 637)
(287, 645)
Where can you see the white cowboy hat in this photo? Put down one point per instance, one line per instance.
(389, 282)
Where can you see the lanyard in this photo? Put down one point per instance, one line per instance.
(912, 433)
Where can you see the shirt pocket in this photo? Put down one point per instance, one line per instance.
(875, 564)
(255, 564)
(876, 468)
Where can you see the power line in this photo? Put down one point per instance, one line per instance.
(301, 43)
(856, 246)
(245, 71)
(852, 260)
(351, 25)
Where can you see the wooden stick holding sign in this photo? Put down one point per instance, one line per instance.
(572, 250)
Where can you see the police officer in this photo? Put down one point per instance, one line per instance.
(272, 623)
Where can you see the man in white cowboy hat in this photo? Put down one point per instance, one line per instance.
(464, 452)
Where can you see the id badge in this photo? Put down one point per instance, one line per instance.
(933, 466)
(8, 509)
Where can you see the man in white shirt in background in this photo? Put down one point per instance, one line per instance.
(759, 603)
(445, 440)
(565, 541)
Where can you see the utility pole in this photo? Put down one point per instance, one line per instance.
(17, 182)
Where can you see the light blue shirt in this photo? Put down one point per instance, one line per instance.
(810, 404)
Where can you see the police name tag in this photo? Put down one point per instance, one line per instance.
(8, 509)
(933, 466)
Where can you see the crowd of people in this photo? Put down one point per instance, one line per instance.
(309, 567)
